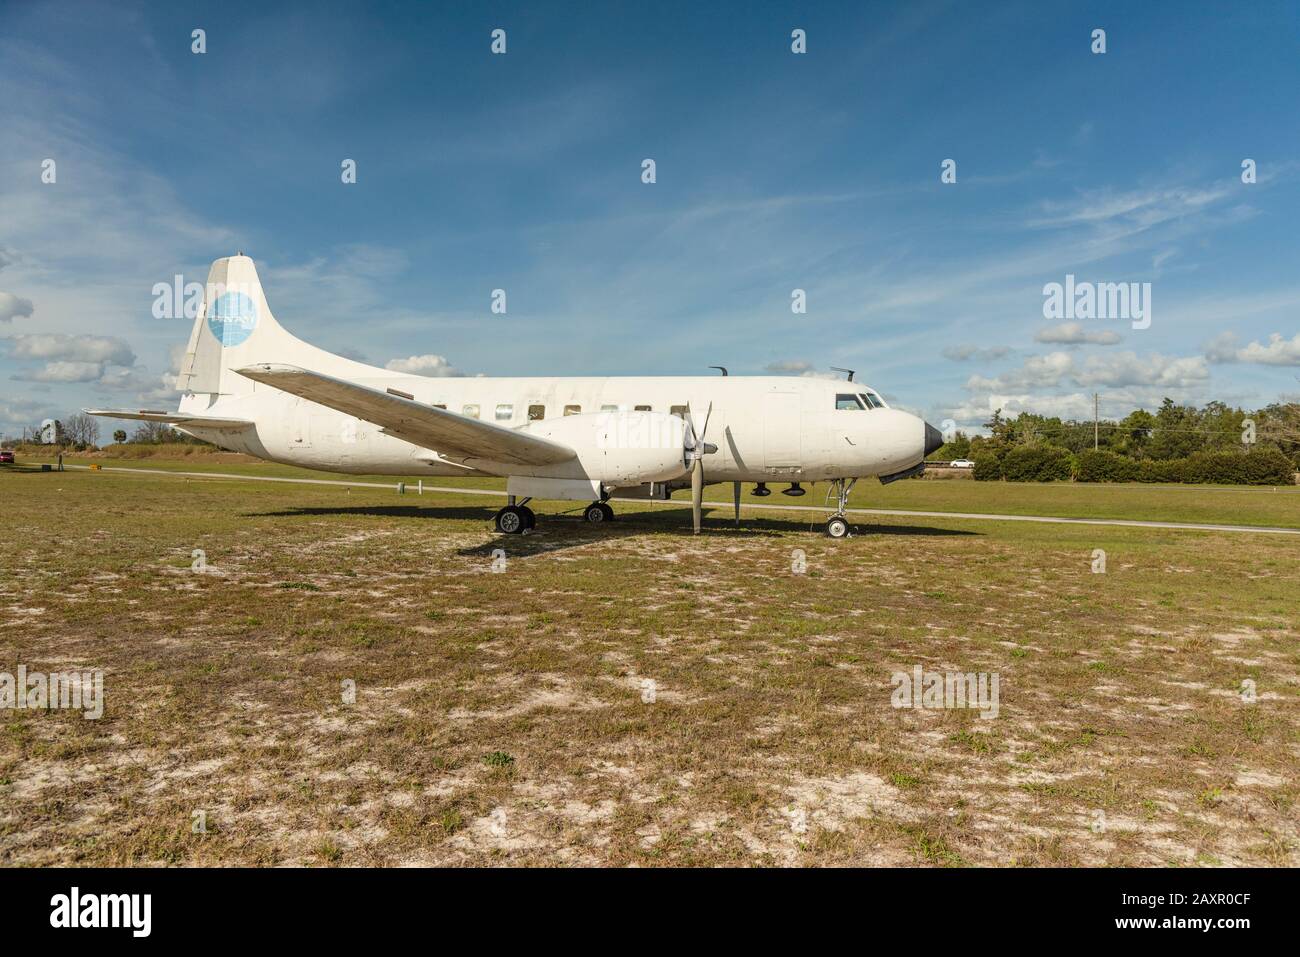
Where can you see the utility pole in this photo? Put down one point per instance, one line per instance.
(1096, 401)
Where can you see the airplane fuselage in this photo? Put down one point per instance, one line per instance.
(765, 428)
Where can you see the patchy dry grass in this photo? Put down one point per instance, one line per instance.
(632, 694)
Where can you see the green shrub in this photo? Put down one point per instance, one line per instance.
(1265, 466)
(1162, 470)
(1101, 466)
(987, 467)
(1269, 466)
(1036, 463)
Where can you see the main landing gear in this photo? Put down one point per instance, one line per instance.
(598, 512)
(838, 526)
(516, 519)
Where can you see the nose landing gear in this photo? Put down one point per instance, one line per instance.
(838, 526)
(598, 512)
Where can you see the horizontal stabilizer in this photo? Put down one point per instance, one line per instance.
(173, 418)
(455, 437)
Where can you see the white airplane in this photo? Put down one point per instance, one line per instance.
(250, 386)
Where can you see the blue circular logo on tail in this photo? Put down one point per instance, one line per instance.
(232, 318)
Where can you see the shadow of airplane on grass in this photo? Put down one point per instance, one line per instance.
(568, 530)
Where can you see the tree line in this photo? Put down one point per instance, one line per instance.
(81, 432)
(1176, 443)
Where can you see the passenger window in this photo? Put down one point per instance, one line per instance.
(677, 410)
(505, 412)
(642, 408)
(536, 412)
(573, 410)
(609, 408)
(471, 411)
(844, 402)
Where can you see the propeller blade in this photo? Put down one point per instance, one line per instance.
(735, 496)
(697, 492)
(705, 431)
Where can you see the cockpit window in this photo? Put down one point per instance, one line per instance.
(872, 400)
(849, 402)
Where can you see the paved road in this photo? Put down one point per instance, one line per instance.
(905, 513)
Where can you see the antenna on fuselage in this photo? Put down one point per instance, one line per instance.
(838, 369)
(723, 368)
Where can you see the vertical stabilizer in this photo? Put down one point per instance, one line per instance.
(234, 328)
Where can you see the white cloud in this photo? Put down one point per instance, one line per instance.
(1132, 211)
(1037, 372)
(1278, 351)
(428, 365)
(103, 361)
(1059, 384)
(73, 348)
(1125, 369)
(1152, 370)
(1073, 333)
(783, 366)
(974, 412)
(64, 372)
(11, 306)
(963, 353)
(104, 375)
(121, 378)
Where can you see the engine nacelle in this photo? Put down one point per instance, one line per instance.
(615, 448)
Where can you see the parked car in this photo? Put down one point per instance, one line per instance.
(6, 457)
(962, 464)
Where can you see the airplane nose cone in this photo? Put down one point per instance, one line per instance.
(933, 438)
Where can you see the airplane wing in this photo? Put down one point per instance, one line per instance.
(174, 418)
(452, 436)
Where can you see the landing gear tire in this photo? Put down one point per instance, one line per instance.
(598, 512)
(512, 520)
(530, 517)
(837, 527)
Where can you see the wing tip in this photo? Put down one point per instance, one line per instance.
(267, 369)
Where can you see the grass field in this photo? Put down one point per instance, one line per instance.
(633, 694)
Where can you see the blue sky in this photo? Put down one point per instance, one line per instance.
(775, 172)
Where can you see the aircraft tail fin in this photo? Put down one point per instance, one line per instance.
(234, 327)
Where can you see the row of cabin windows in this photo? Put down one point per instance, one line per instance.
(505, 411)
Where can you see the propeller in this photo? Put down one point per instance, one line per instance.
(696, 449)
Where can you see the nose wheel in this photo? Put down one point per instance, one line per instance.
(598, 512)
(837, 526)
